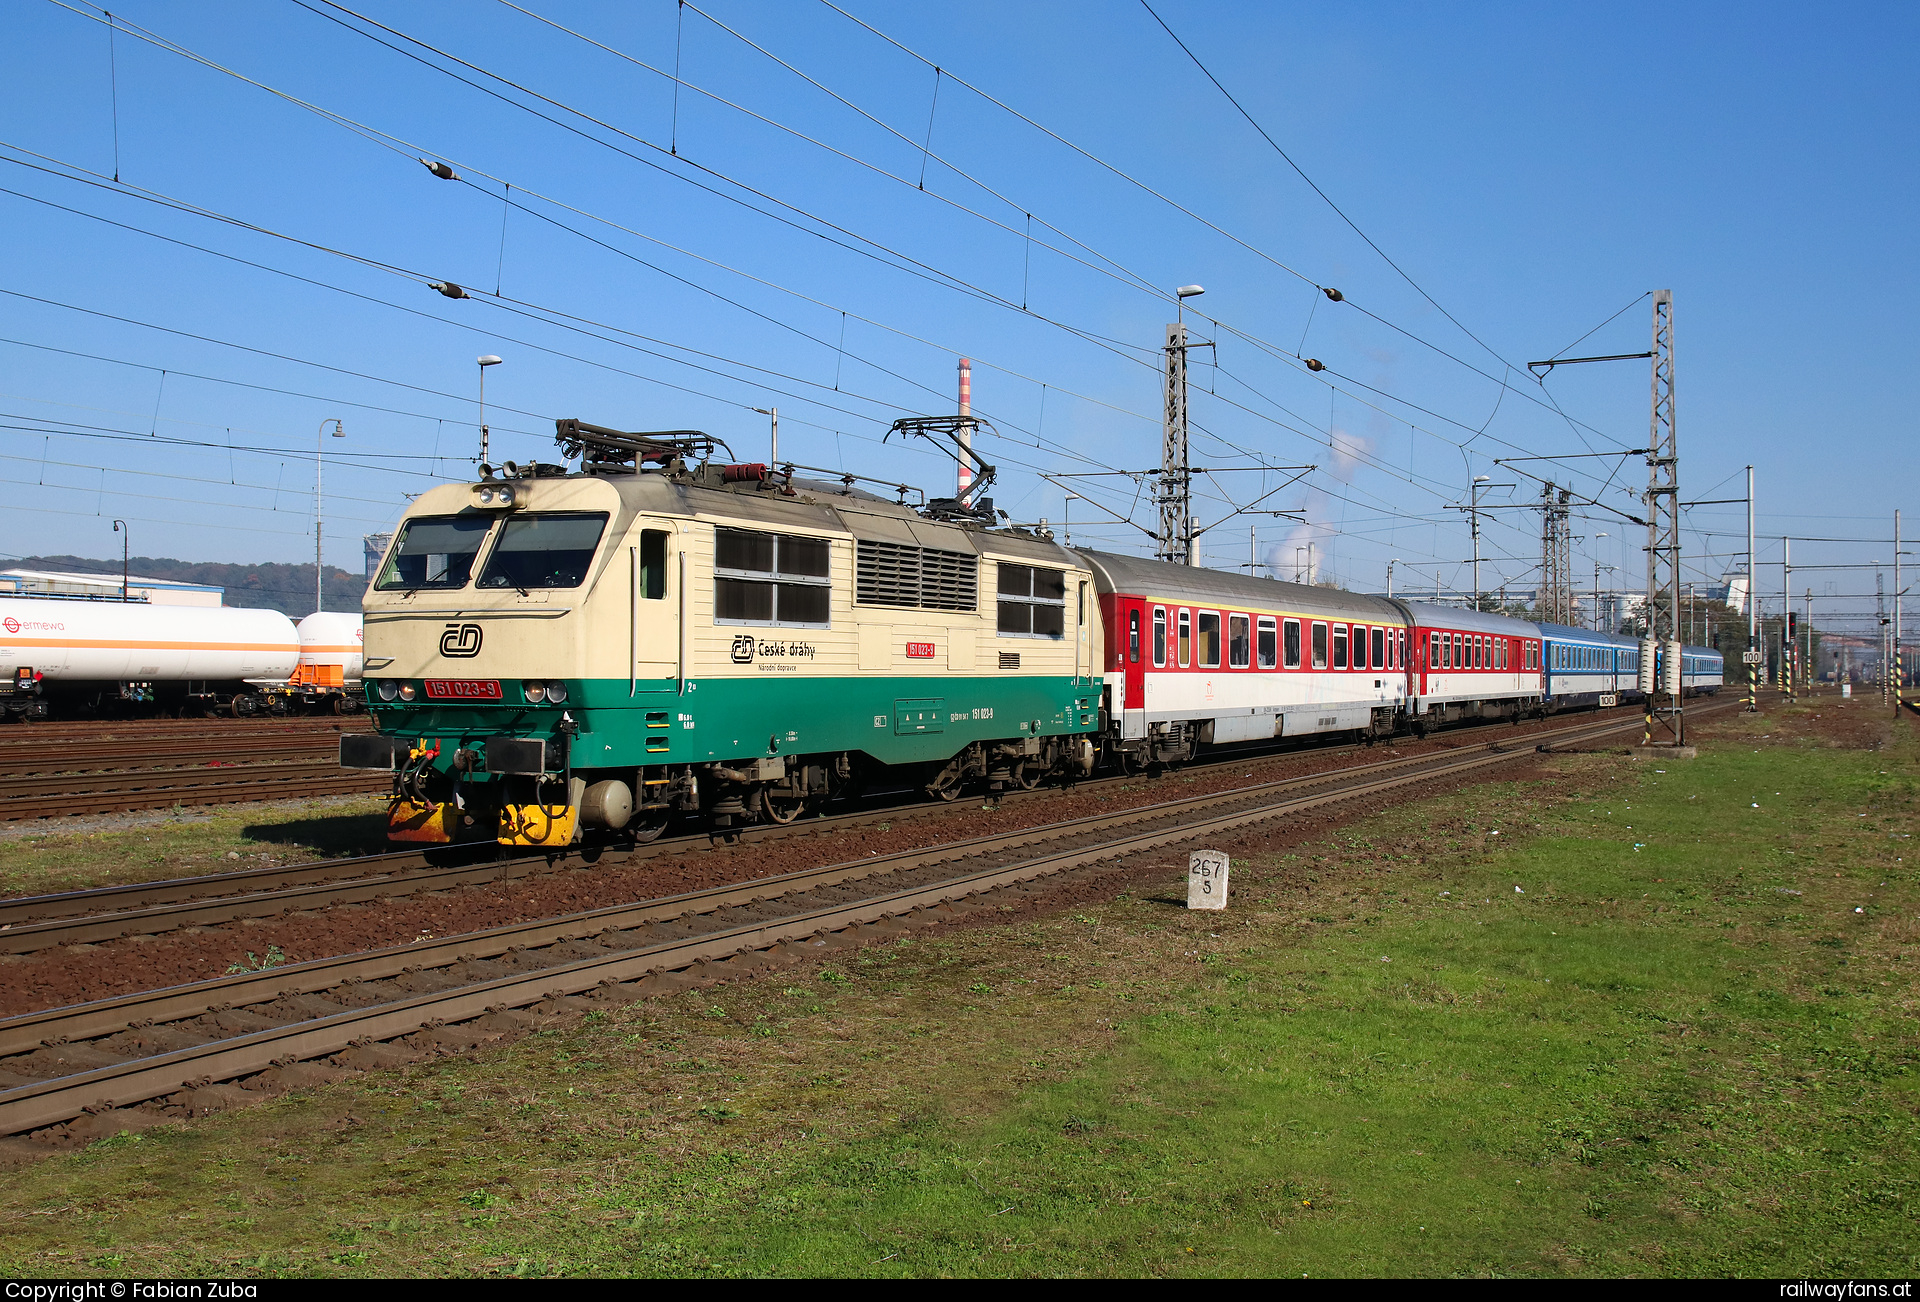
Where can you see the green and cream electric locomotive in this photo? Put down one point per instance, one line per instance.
(551, 652)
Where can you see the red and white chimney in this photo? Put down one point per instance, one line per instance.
(963, 482)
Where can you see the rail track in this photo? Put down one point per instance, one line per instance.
(393, 1005)
(46, 776)
(32, 923)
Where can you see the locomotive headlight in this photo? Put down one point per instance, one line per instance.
(536, 691)
(556, 693)
(486, 497)
(388, 689)
(406, 691)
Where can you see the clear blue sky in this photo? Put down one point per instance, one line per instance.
(1534, 169)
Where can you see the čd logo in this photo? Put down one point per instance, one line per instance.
(743, 649)
(460, 641)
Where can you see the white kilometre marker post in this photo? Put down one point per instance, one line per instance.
(1207, 879)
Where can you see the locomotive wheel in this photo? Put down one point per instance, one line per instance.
(649, 825)
(780, 807)
(950, 792)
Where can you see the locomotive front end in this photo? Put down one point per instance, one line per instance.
(478, 668)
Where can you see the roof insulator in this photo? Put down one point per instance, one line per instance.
(450, 289)
(1334, 294)
(1315, 364)
(441, 170)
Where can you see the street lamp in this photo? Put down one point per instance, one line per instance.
(126, 537)
(319, 573)
(1390, 564)
(485, 362)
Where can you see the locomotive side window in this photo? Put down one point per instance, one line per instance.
(653, 564)
(1133, 636)
(1209, 639)
(1033, 601)
(1293, 644)
(1319, 646)
(1239, 642)
(1379, 648)
(1339, 646)
(1159, 637)
(435, 551)
(770, 578)
(550, 550)
(1268, 651)
(1186, 637)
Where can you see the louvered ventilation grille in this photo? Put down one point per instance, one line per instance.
(1009, 659)
(892, 574)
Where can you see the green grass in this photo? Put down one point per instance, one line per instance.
(158, 845)
(1676, 1050)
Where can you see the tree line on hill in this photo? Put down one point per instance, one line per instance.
(269, 586)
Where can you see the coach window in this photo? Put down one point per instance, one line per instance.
(1160, 637)
(1186, 637)
(1239, 642)
(1292, 644)
(1379, 648)
(1339, 646)
(1500, 654)
(1133, 636)
(1359, 646)
(1209, 639)
(1033, 601)
(1269, 652)
(1319, 646)
(770, 578)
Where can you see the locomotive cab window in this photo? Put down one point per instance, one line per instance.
(1033, 601)
(1160, 637)
(1209, 639)
(434, 551)
(1293, 644)
(550, 550)
(1269, 653)
(770, 578)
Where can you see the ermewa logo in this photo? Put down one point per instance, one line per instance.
(743, 649)
(13, 625)
(460, 641)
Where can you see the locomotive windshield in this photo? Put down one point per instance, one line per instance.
(435, 551)
(552, 550)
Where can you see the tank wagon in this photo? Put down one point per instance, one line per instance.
(327, 678)
(550, 652)
(111, 657)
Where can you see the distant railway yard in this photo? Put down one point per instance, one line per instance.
(827, 1047)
